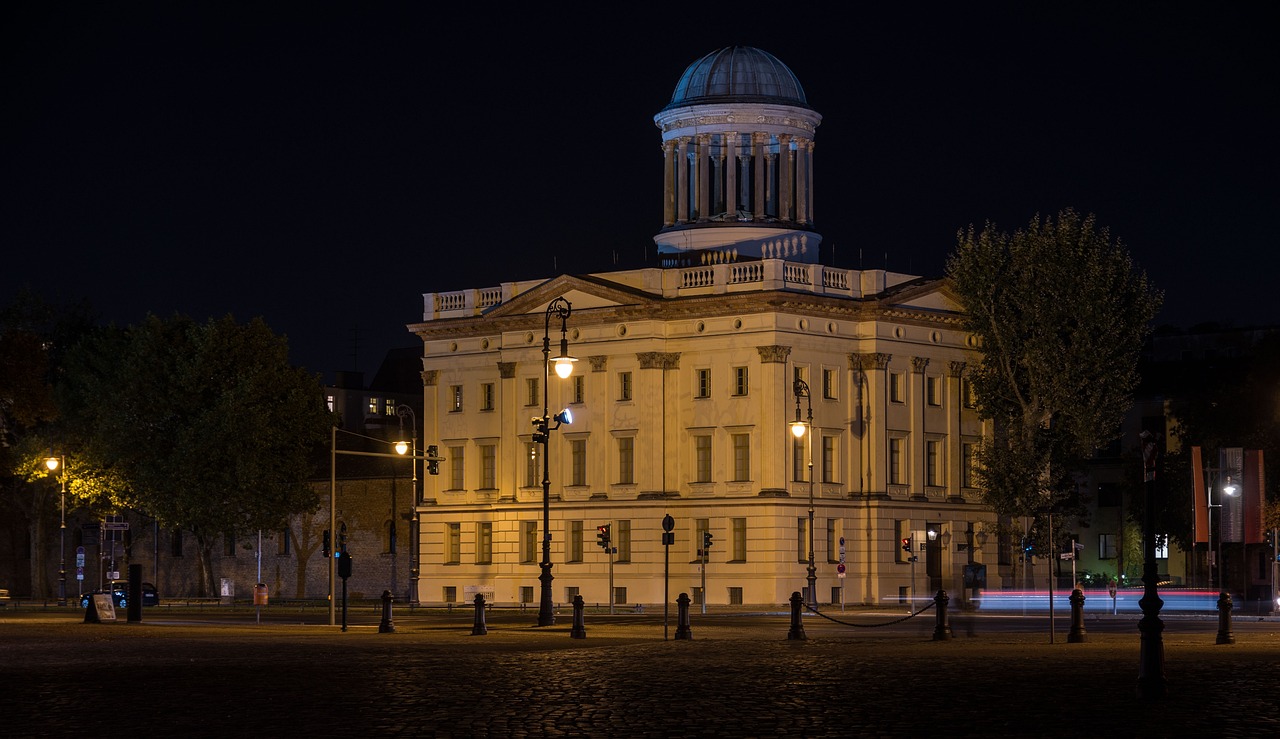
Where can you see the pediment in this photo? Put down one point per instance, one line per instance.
(581, 292)
(931, 295)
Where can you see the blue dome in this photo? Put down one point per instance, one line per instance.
(738, 74)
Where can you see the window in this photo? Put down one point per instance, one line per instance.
(739, 380)
(735, 596)
(452, 543)
(829, 384)
(968, 393)
(373, 405)
(573, 542)
(902, 530)
(1162, 547)
(531, 465)
(933, 463)
(532, 395)
(570, 593)
(741, 457)
(282, 547)
(389, 408)
(390, 542)
(739, 526)
(619, 596)
(798, 458)
(528, 541)
(175, 543)
(579, 389)
(622, 541)
(802, 539)
(896, 472)
(578, 461)
(455, 393)
(896, 394)
(455, 468)
(484, 543)
(702, 458)
(833, 540)
(330, 403)
(801, 374)
(450, 594)
(488, 466)
(829, 459)
(229, 544)
(1106, 546)
(702, 383)
(626, 460)
(933, 390)
(969, 458)
(526, 593)
(624, 386)
(486, 396)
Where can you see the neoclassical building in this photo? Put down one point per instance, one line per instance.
(688, 376)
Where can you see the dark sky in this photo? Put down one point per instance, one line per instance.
(322, 166)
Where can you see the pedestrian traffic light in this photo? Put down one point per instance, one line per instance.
(324, 546)
(906, 543)
(602, 536)
(433, 460)
(706, 540)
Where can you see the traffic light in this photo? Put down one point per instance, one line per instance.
(602, 536)
(906, 543)
(706, 540)
(344, 564)
(324, 546)
(540, 430)
(433, 462)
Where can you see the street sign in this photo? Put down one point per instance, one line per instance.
(116, 525)
(1066, 555)
(840, 568)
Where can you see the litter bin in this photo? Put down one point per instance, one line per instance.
(260, 594)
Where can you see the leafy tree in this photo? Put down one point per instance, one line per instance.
(211, 427)
(1061, 314)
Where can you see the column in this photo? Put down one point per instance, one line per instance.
(682, 179)
(600, 445)
(954, 403)
(509, 473)
(731, 177)
(916, 405)
(430, 431)
(657, 425)
(668, 182)
(786, 176)
(701, 168)
(757, 157)
(802, 180)
(775, 448)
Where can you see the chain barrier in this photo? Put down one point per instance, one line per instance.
(816, 612)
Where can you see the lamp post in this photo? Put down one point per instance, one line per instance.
(403, 411)
(798, 429)
(542, 429)
(1228, 488)
(54, 464)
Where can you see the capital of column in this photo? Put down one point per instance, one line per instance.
(430, 377)
(774, 354)
(919, 364)
(506, 370)
(599, 362)
(658, 360)
(955, 369)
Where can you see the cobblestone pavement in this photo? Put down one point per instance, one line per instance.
(432, 677)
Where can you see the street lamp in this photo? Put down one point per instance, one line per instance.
(1228, 488)
(412, 448)
(798, 429)
(542, 429)
(54, 463)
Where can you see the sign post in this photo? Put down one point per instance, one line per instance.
(668, 538)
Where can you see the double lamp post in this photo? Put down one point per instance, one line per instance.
(798, 429)
(542, 429)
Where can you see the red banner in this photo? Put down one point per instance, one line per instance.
(1201, 505)
(1254, 491)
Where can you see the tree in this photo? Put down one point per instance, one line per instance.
(211, 427)
(1061, 315)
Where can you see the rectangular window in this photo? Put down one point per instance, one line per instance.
(532, 395)
(578, 461)
(175, 543)
(528, 541)
(968, 454)
(626, 460)
(624, 386)
(619, 596)
(573, 541)
(741, 457)
(229, 544)
(488, 466)
(896, 472)
(579, 389)
(532, 465)
(702, 458)
(896, 389)
(798, 461)
(702, 383)
(739, 526)
(735, 596)
(389, 408)
(802, 539)
(452, 543)
(450, 594)
(902, 530)
(933, 463)
(484, 543)
(801, 374)
(829, 384)
(330, 403)
(373, 405)
(1106, 546)
(622, 541)
(455, 394)
(570, 593)
(833, 540)
(391, 537)
(486, 396)
(933, 390)
(739, 381)
(526, 593)
(282, 548)
(829, 459)
(456, 480)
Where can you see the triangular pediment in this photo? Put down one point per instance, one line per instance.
(581, 292)
(932, 295)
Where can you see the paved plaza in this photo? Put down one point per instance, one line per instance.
(192, 676)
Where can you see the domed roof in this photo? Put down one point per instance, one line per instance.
(738, 74)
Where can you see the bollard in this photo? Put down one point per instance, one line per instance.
(682, 617)
(797, 630)
(579, 630)
(479, 629)
(1224, 619)
(1077, 633)
(386, 626)
(941, 626)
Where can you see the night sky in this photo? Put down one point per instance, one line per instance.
(322, 166)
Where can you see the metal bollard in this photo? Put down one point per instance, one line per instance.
(387, 626)
(941, 626)
(579, 630)
(1077, 633)
(479, 629)
(682, 617)
(797, 630)
(1224, 619)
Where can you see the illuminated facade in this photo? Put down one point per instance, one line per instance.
(684, 388)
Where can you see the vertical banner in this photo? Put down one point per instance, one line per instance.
(1231, 494)
(1200, 501)
(1254, 491)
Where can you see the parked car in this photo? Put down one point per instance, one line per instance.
(120, 594)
